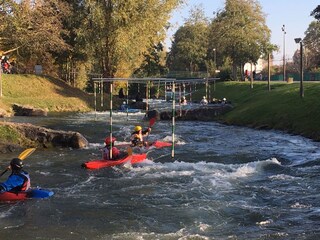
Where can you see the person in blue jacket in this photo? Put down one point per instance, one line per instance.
(19, 180)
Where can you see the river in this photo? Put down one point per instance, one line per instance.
(225, 182)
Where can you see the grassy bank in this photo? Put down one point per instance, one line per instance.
(42, 92)
(281, 108)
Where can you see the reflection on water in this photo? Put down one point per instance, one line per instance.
(224, 182)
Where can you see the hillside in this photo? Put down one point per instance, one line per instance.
(42, 92)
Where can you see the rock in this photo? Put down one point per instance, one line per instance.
(203, 113)
(4, 113)
(44, 137)
(20, 110)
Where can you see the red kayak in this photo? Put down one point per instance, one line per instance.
(22, 195)
(159, 144)
(96, 164)
(156, 144)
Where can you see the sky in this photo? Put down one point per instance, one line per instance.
(294, 14)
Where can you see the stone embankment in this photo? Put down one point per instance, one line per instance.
(44, 137)
(200, 113)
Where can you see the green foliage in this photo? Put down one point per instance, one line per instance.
(154, 63)
(118, 33)
(240, 32)
(316, 13)
(9, 135)
(190, 45)
(312, 43)
(32, 33)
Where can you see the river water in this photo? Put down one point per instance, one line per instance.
(225, 182)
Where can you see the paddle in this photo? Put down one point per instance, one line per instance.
(152, 121)
(129, 151)
(22, 156)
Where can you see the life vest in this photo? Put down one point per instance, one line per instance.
(26, 184)
(106, 153)
(137, 139)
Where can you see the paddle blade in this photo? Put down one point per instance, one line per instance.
(129, 150)
(26, 153)
(152, 122)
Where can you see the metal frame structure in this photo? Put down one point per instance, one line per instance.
(98, 83)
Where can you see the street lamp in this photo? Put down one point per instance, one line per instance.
(299, 40)
(284, 51)
(215, 58)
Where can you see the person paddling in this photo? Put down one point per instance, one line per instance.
(137, 136)
(19, 180)
(116, 153)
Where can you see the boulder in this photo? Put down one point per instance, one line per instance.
(203, 113)
(20, 110)
(44, 137)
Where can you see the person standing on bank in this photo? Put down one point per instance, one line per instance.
(19, 180)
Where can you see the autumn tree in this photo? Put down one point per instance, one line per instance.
(32, 31)
(119, 32)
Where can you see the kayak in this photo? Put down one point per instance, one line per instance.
(130, 110)
(160, 144)
(22, 195)
(156, 144)
(96, 164)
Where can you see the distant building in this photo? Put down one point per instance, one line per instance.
(258, 67)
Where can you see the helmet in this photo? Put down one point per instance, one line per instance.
(224, 99)
(137, 128)
(124, 103)
(16, 164)
(204, 97)
(109, 140)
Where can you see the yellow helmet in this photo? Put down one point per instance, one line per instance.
(137, 128)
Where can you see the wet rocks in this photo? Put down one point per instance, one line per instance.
(44, 137)
(203, 113)
(20, 110)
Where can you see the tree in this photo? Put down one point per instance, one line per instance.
(190, 45)
(119, 32)
(316, 13)
(33, 30)
(154, 62)
(312, 43)
(240, 33)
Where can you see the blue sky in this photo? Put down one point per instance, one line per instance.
(294, 14)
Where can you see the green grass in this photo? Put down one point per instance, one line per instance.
(281, 108)
(42, 92)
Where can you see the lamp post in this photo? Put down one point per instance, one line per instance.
(299, 40)
(284, 51)
(215, 58)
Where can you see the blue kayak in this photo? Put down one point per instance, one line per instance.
(22, 195)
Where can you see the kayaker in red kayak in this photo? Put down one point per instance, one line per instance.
(137, 136)
(116, 153)
(19, 180)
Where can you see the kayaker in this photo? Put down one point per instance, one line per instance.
(116, 153)
(137, 136)
(123, 106)
(18, 180)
